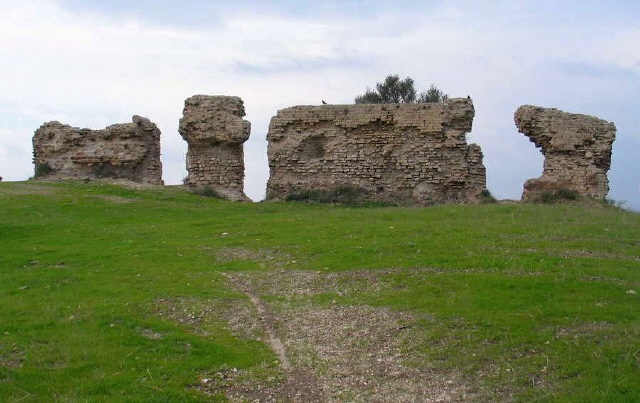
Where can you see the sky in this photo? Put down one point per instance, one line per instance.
(95, 63)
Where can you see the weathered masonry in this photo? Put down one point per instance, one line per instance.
(215, 132)
(413, 154)
(127, 151)
(576, 149)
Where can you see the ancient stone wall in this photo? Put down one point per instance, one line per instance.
(413, 154)
(129, 151)
(576, 149)
(215, 132)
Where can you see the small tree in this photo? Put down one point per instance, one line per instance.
(433, 94)
(395, 91)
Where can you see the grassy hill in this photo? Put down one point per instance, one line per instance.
(110, 293)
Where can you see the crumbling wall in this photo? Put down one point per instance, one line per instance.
(129, 151)
(576, 149)
(215, 132)
(413, 154)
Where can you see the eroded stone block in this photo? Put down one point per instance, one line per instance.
(127, 151)
(576, 149)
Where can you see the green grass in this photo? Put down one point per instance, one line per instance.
(528, 295)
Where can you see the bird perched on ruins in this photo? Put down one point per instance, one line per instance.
(323, 103)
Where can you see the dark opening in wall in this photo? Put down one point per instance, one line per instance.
(313, 147)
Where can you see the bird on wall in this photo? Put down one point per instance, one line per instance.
(323, 103)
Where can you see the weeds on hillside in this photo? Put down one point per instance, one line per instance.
(620, 204)
(208, 191)
(487, 197)
(344, 194)
(42, 169)
(557, 196)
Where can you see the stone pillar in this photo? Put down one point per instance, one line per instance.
(215, 132)
(576, 149)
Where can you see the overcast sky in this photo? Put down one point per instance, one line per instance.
(95, 63)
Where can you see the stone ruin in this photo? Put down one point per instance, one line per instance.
(215, 132)
(413, 154)
(127, 151)
(576, 149)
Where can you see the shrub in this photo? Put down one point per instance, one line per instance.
(393, 90)
(208, 191)
(487, 197)
(344, 194)
(42, 169)
(620, 204)
(104, 170)
(558, 195)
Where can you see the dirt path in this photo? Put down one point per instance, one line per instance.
(300, 385)
(266, 319)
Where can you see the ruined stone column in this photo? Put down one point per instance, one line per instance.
(576, 149)
(215, 132)
(126, 151)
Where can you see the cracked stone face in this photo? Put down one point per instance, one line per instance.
(414, 154)
(576, 148)
(128, 151)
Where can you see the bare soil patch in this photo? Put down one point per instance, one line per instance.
(362, 353)
(336, 353)
(332, 351)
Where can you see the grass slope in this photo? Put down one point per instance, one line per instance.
(105, 290)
